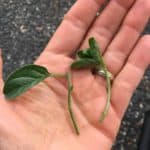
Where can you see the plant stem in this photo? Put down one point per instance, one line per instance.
(108, 80)
(102, 73)
(57, 75)
(70, 88)
(106, 109)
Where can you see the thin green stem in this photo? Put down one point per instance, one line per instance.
(108, 80)
(70, 88)
(57, 75)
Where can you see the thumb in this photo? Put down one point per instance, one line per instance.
(1, 71)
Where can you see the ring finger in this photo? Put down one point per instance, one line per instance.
(127, 37)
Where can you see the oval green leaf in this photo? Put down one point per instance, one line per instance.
(84, 54)
(23, 79)
(95, 51)
(84, 63)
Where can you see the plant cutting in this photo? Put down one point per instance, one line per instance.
(30, 75)
(93, 59)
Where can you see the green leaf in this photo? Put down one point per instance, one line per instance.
(94, 50)
(23, 79)
(84, 63)
(93, 44)
(84, 53)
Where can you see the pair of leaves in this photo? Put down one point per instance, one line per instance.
(89, 58)
(30, 75)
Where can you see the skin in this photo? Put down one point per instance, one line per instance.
(39, 118)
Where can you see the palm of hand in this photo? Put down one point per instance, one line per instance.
(39, 118)
(41, 114)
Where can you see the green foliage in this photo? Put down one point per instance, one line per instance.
(84, 63)
(30, 75)
(23, 79)
(93, 59)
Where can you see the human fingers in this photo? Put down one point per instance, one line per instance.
(130, 76)
(75, 24)
(108, 22)
(125, 40)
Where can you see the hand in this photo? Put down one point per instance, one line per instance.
(39, 120)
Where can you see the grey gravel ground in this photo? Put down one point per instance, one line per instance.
(25, 28)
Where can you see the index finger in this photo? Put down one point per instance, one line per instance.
(74, 26)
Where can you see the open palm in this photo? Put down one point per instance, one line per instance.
(39, 119)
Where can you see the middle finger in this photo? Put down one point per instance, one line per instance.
(107, 24)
